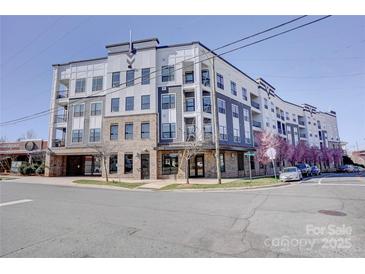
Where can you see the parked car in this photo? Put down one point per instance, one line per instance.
(358, 169)
(290, 174)
(346, 168)
(315, 170)
(305, 169)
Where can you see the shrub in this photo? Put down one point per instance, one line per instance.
(26, 169)
(40, 169)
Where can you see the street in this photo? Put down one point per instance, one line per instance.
(320, 217)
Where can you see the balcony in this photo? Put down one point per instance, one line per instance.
(60, 94)
(302, 123)
(302, 135)
(60, 118)
(256, 123)
(58, 142)
(255, 105)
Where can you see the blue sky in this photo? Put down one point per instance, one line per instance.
(323, 64)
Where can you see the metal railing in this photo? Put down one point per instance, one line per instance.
(256, 123)
(301, 123)
(61, 94)
(255, 105)
(58, 143)
(60, 118)
(302, 135)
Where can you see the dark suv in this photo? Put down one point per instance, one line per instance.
(304, 169)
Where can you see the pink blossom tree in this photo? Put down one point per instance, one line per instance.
(264, 141)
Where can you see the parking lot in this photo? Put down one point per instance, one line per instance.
(322, 216)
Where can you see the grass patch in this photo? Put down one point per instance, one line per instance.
(110, 183)
(233, 184)
(6, 178)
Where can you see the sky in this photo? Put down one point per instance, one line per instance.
(322, 64)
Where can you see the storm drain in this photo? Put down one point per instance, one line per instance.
(332, 212)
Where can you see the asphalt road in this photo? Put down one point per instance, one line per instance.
(58, 221)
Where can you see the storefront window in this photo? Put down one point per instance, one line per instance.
(170, 164)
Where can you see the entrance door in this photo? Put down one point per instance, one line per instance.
(75, 166)
(145, 166)
(196, 166)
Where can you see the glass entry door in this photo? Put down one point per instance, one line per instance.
(196, 166)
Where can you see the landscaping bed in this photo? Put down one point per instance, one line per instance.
(110, 183)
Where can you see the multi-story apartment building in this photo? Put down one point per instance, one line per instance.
(143, 104)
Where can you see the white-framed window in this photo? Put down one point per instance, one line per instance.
(94, 135)
(221, 106)
(233, 88)
(130, 78)
(95, 109)
(79, 110)
(236, 135)
(77, 135)
(80, 85)
(235, 112)
(168, 73)
(97, 83)
(168, 101)
(246, 115)
(168, 131)
(220, 81)
(244, 94)
(223, 133)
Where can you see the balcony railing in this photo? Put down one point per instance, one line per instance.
(301, 123)
(60, 118)
(256, 123)
(62, 94)
(302, 135)
(236, 139)
(58, 143)
(255, 105)
(190, 133)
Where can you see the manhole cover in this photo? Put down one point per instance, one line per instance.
(332, 212)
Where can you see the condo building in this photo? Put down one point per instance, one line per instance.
(143, 106)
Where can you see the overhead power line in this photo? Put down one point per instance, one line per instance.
(45, 112)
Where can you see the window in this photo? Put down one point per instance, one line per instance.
(97, 83)
(77, 135)
(168, 101)
(241, 160)
(252, 162)
(114, 132)
(223, 133)
(128, 135)
(95, 109)
(207, 104)
(222, 162)
(168, 73)
(129, 103)
(113, 163)
(169, 164)
(233, 88)
(115, 79)
(236, 135)
(272, 107)
(145, 102)
(115, 104)
(266, 103)
(220, 81)
(168, 131)
(205, 78)
(244, 94)
(235, 111)
(189, 101)
(246, 115)
(94, 135)
(79, 110)
(208, 131)
(145, 76)
(130, 78)
(287, 115)
(248, 136)
(80, 85)
(128, 163)
(189, 77)
(145, 130)
(221, 106)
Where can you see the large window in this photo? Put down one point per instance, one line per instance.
(145, 102)
(244, 94)
(168, 131)
(235, 111)
(128, 135)
(266, 103)
(145, 76)
(205, 77)
(77, 135)
(233, 88)
(94, 135)
(221, 106)
(79, 110)
(189, 101)
(115, 79)
(97, 83)
(80, 85)
(208, 131)
(114, 132)
(207, 104)
(223, 133)
(222, 162)
(168, 73)
(236, 135)
(169, 164)
(168, 101)
(246, 115)
(130, 78)
(129, 103)
(189, 77)
(220, 81)
(113, 163)
(128, 163)
(114, 104)
(248, 136)
(145, 130)
(95, 109)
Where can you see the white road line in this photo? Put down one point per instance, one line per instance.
(15, 202)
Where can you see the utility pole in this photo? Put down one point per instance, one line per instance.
(216, 127)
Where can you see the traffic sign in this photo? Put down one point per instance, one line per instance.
(271, 153)
(250, 154)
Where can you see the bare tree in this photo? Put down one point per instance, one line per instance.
(2, 139)
(103, 152)
(29, 134)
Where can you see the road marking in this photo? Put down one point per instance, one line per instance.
(319, 181)
(15, 202)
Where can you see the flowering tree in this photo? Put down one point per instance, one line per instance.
(337, 154)
(300, 152)
(265, 140)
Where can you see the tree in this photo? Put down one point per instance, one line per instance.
(29, 134)
(103, 152)
(300, 151)
(265, 140)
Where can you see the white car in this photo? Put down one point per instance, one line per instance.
(291, 174)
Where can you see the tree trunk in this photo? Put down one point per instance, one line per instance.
(105, 169)
(186, 172)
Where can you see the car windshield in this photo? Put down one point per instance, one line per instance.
(290, 169)
(301, 166)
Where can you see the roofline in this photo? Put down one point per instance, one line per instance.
(263, 80)
(80, 61)
(134, 42)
